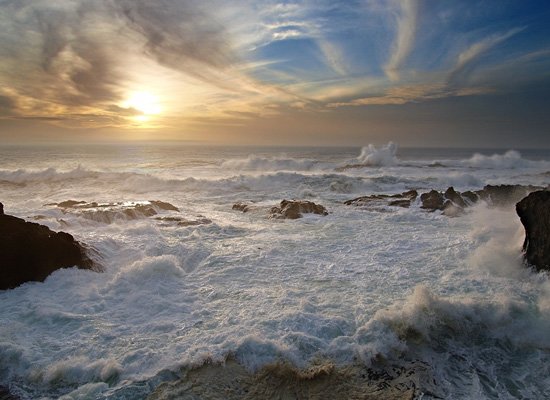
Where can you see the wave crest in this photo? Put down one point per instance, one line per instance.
(379, 157)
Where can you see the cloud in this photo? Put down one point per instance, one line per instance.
(181, 35)
(468, 57)
(404, 41)
(413, 93)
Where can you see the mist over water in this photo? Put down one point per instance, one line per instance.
(377, 288)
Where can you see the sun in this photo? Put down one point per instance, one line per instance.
(144, 102)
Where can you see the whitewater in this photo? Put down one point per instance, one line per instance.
(382, 288)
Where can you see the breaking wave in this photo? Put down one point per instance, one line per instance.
(379, 157)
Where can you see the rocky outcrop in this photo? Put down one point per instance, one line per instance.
(534, 213)
(450, 202)
(293, 209)
(377, 200)
(31, 252)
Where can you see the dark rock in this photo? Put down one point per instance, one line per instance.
(1, 209)
(411, 194)
(31, 252)
(400, 203)
(455, 197)
(293, 209)
(534, 213)
(433, 200)
(241, 207)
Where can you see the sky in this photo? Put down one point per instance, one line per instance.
(417, 72)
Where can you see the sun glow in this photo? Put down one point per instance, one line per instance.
(145, 103)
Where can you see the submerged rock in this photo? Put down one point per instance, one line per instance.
(30, 252)
(293, 209)
(534, 213)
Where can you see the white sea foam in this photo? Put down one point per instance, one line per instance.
(257, 163)
(340, 287)
(382, 156)
(510, 159)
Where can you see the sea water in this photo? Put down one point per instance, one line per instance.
(356, 286)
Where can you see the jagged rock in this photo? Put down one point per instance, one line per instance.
(31, 252)
(433, 200)
(293, 209)
(534, 213)
(455, 197)
(398, 200)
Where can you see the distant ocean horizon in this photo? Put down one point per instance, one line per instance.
(445, 300)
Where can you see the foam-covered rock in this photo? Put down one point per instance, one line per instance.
(534, 213)
(30, 252)
(110, 212)
(293, 209)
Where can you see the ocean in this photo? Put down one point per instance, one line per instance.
(445, 302)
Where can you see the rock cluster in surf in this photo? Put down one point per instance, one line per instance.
(294, 209)
(30, 252)
(450, 202)
(534, 213)
(287, 209)
(128, 210)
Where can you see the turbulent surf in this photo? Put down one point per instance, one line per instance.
(204, 294)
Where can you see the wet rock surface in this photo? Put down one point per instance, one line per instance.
(534, 213)
(450, 202)
(294, 209)
(30, 252)
(110, 212)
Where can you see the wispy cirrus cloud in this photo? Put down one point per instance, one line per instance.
(404, 41)
(412, 94)
(475, 51)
